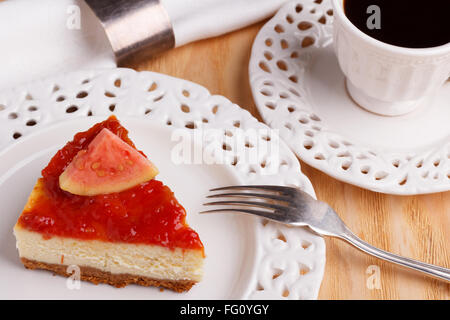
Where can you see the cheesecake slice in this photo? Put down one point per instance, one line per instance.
(98, 206)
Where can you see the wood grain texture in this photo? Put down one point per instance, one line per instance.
(413, 226)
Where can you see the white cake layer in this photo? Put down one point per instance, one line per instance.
(119, 258)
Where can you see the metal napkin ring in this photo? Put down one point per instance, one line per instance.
(136, 29)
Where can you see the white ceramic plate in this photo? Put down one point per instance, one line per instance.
(243, 253)
(230, 240)
(299, 89)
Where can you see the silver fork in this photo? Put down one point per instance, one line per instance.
(295, 207)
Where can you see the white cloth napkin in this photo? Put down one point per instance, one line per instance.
(46, 37)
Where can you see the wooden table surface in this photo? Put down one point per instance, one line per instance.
(413, 226)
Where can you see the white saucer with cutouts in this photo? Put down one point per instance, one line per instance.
(299, 89)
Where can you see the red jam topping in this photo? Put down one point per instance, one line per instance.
(148, 213)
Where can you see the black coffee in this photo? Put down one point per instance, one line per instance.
(404, 23)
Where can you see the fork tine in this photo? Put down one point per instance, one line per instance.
(264, 214)
(248, 194)
(281, 189)
(248, 203)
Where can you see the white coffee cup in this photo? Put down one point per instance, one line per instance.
(383, 78)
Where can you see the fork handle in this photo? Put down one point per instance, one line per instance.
(431, 270)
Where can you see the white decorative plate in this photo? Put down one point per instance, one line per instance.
(246, 257)
(299, 89)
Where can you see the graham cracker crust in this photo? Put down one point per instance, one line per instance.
(97, 276)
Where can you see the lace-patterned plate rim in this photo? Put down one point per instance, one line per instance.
(290, 263)
(287, 51)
